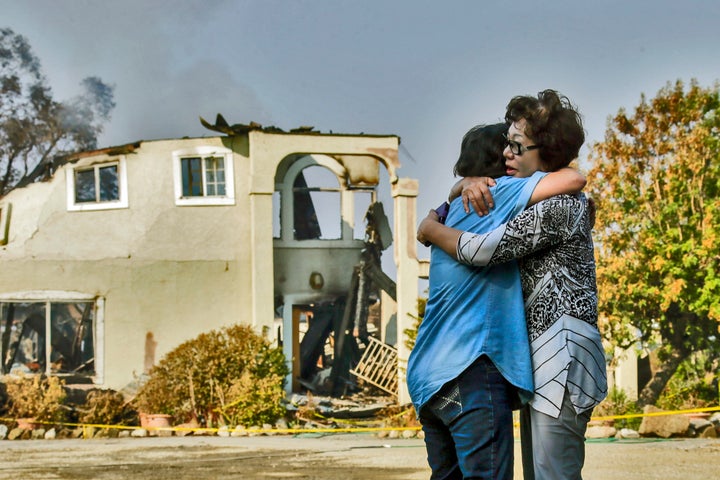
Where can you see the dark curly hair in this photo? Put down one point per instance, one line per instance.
(481, 152)
(553, 123)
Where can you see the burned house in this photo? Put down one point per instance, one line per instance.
(124, 253)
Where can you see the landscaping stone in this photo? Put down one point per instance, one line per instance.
(627, 433)
(600, 431)
(664, 426)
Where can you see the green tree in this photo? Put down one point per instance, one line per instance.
(36, 132)
(656, 182)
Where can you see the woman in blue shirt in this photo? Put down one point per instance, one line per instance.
(470, 365)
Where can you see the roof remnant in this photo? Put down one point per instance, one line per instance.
(221, 125)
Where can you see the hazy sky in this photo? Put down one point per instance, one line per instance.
(426, 71)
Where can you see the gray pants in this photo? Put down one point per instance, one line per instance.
(553, 448)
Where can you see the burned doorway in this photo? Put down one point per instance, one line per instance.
(327, 275)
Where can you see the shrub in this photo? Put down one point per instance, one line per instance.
(254, 401)
(105, 407)
(617, 403)
(41, 398)
(216, 375)
(411, 333)
(693, 385)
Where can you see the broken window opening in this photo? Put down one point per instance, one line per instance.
(277, 214)
(69, 349)
(363, 200)
(316, 205)
(5, 223)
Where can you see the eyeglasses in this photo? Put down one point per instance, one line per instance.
(518, 148)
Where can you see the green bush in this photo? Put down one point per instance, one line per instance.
(693, 385)
(411, 333)
(617, 403)
(254, 401)
(215, 376)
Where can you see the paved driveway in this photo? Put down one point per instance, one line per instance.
(330, 457)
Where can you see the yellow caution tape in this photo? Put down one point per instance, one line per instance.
(658, 414)
(355, 429)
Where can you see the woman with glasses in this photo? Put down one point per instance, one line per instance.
(470, 365)
(552, 243)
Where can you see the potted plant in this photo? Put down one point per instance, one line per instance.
(36, 400)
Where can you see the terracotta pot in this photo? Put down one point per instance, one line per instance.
(155, 420)
(27, 423)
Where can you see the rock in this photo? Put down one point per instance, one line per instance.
(709, 432)
(394, 434)
(663, 426)
(38, 434)
(185, 429)
(599, 431)
(139, 433)
(700, 424)
(628, 433)
(408, 434)
(3, 431)
(223, 431)
(15, 433)
(50, 434)
(124, 434)
(715, 419)
(239, 431)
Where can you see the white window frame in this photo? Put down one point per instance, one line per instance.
(122, 202)
(64, 297)
(226, 154)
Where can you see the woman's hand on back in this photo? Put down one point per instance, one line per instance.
(475, 192)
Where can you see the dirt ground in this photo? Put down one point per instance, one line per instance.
(329, 457)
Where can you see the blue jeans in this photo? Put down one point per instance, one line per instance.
(468, 426)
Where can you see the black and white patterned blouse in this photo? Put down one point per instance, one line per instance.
(553, 244)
